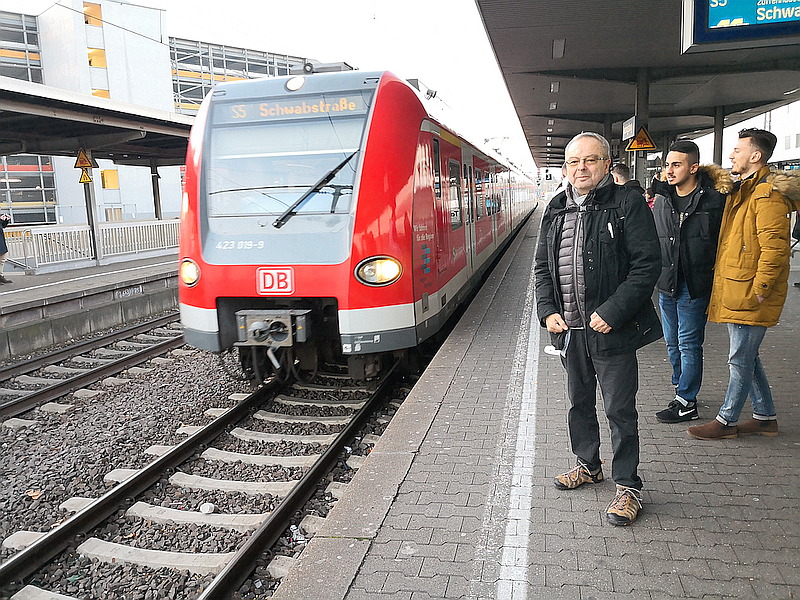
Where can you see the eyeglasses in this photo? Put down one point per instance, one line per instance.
(589, 161)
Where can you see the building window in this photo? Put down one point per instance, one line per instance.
(27, 188)
(113, 214)
(92, 15)
(198, 66)
(97, 58)
(101, 93)
(19, 47)
(110, 179)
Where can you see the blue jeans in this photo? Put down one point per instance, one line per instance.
(684, 322)
(747, 375)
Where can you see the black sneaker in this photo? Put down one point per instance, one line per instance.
(676, 412)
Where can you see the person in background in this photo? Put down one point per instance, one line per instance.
(597, 261)
(751, 276)
(687, 209)
(649, 196)
(5, 221)
(622, 176)
(563, 183)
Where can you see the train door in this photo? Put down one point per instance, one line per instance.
(469, 199)
(491, 204)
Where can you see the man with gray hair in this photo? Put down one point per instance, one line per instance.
(597, 261)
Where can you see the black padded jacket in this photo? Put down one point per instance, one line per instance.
(689, 239)
(621, 263)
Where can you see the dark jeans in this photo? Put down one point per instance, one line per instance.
(619, 380)
(684, 322)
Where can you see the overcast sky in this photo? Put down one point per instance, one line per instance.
(440, 42)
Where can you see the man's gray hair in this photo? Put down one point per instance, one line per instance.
(596, 136)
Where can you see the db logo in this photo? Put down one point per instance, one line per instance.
(275, 281)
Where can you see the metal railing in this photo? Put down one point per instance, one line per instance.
(47, 245)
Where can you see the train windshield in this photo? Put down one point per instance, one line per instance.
(263, 156)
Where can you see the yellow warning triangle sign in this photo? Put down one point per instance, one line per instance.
(642, 141)
(83, 161)
(85, 177)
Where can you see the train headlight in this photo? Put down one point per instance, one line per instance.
(189, 272)
(379, 270)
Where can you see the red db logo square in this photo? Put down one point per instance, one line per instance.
(275, 281)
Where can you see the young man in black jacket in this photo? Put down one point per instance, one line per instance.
(597, 261)
(688, 210)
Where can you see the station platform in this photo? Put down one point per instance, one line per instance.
(457, 501)
(37, 311)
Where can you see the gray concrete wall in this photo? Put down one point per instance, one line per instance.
(36, 327)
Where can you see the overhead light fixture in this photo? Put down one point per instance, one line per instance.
(551, 121)
(549, 143)
(554, 85)
(549, 138)
(791, 91)
(549, 130)
(558, 48)
(553, 105)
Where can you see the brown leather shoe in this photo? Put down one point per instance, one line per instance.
(714, 431)
(759, 427)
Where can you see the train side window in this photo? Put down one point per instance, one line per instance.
(437, 169)
(456, 211)
(479, 194)
(469, 194)
(492, 192)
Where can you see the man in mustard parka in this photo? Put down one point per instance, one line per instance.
(750, 281)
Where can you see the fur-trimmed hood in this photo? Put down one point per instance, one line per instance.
(787, 183)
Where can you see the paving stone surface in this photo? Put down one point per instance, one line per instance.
(477, 515)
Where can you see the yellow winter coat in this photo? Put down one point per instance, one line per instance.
(753, 250)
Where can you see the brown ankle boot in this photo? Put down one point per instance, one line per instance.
(714, 431)
(759, 427)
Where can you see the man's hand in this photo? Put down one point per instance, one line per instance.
(598, 324)
(555, 323)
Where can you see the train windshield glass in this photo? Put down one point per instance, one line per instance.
(265, 155)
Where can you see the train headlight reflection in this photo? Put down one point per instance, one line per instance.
(189, 272)
(379, 270)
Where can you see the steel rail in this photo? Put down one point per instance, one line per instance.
(37, 362)
(243, 563)
(19, 405)
(38, 554)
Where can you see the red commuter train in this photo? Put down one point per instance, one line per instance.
(330, 217)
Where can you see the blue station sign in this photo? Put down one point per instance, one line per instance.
(727, 24)
(739, 13)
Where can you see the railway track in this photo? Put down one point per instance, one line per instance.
(259, 421)
(74, 367)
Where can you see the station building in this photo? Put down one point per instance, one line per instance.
(118, 50)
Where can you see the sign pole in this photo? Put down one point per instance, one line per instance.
(85, 164)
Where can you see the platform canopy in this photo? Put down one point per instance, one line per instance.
(39, 119)
(574, 65)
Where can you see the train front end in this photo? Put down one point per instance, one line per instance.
(287, 250)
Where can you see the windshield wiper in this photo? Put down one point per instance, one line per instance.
(287, 214)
